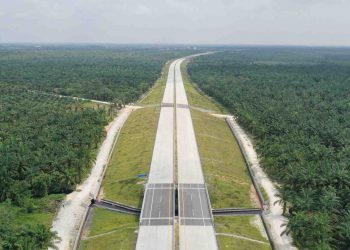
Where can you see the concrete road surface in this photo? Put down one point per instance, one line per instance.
(196, 229)
(197, 237)
(162, 165)
(188, 161)
(194, 206)
(157, 215)
(158, 207)
(155, 238)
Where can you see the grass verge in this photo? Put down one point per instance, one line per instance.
(110, 230)
(155, 95)
(195, 97)
(132, 156)
(225, 171)
(244, 226)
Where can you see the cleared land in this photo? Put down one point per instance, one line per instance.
(237, 229)
(111, 229)
(131, 157)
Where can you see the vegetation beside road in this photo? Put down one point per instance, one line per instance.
(240, 226)
(196, 97)
(225, 171)
(110, 229)
(155, 96)
(132, 156)
(295, 101)
(108, 73)
(47, 145)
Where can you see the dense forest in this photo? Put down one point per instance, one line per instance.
(47, 145)
(296, 104)
(108, 73)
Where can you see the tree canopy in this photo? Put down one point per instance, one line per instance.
(96, 72)
(48, 143)
(46, 146)
(296, 104)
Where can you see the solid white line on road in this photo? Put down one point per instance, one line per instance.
(200, 202)
(157, 218)
(150, 213)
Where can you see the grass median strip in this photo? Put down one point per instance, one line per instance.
(241, 232)
(131, 157)
(110, 229)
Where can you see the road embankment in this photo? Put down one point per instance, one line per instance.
(71, 213)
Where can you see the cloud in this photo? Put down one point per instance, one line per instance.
(310, 22)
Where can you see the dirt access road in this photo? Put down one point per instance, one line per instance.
(72, 210)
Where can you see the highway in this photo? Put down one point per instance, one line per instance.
(196, 228)
(175, 145)
(156, 231)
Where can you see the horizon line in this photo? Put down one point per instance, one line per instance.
(177, 44)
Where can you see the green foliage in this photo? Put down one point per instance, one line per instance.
(196, 97)
(97, 72)
(39, 185)
(28, 237)
(46, 146)
(295, 101)
(47, 143)
(14, 236)
(319, 228)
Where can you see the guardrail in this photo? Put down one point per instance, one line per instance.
(264, 204)
(119, 207)
(236, 211)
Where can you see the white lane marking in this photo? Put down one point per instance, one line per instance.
(200, 202)
(170, 188)
(150, 214)
(192, 212)
(163, 218)
(191, 196)
(161, 198)
(195, 218)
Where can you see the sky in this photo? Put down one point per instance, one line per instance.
(236, 22)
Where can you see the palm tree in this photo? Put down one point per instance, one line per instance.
(284, 194)
(344, 230)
